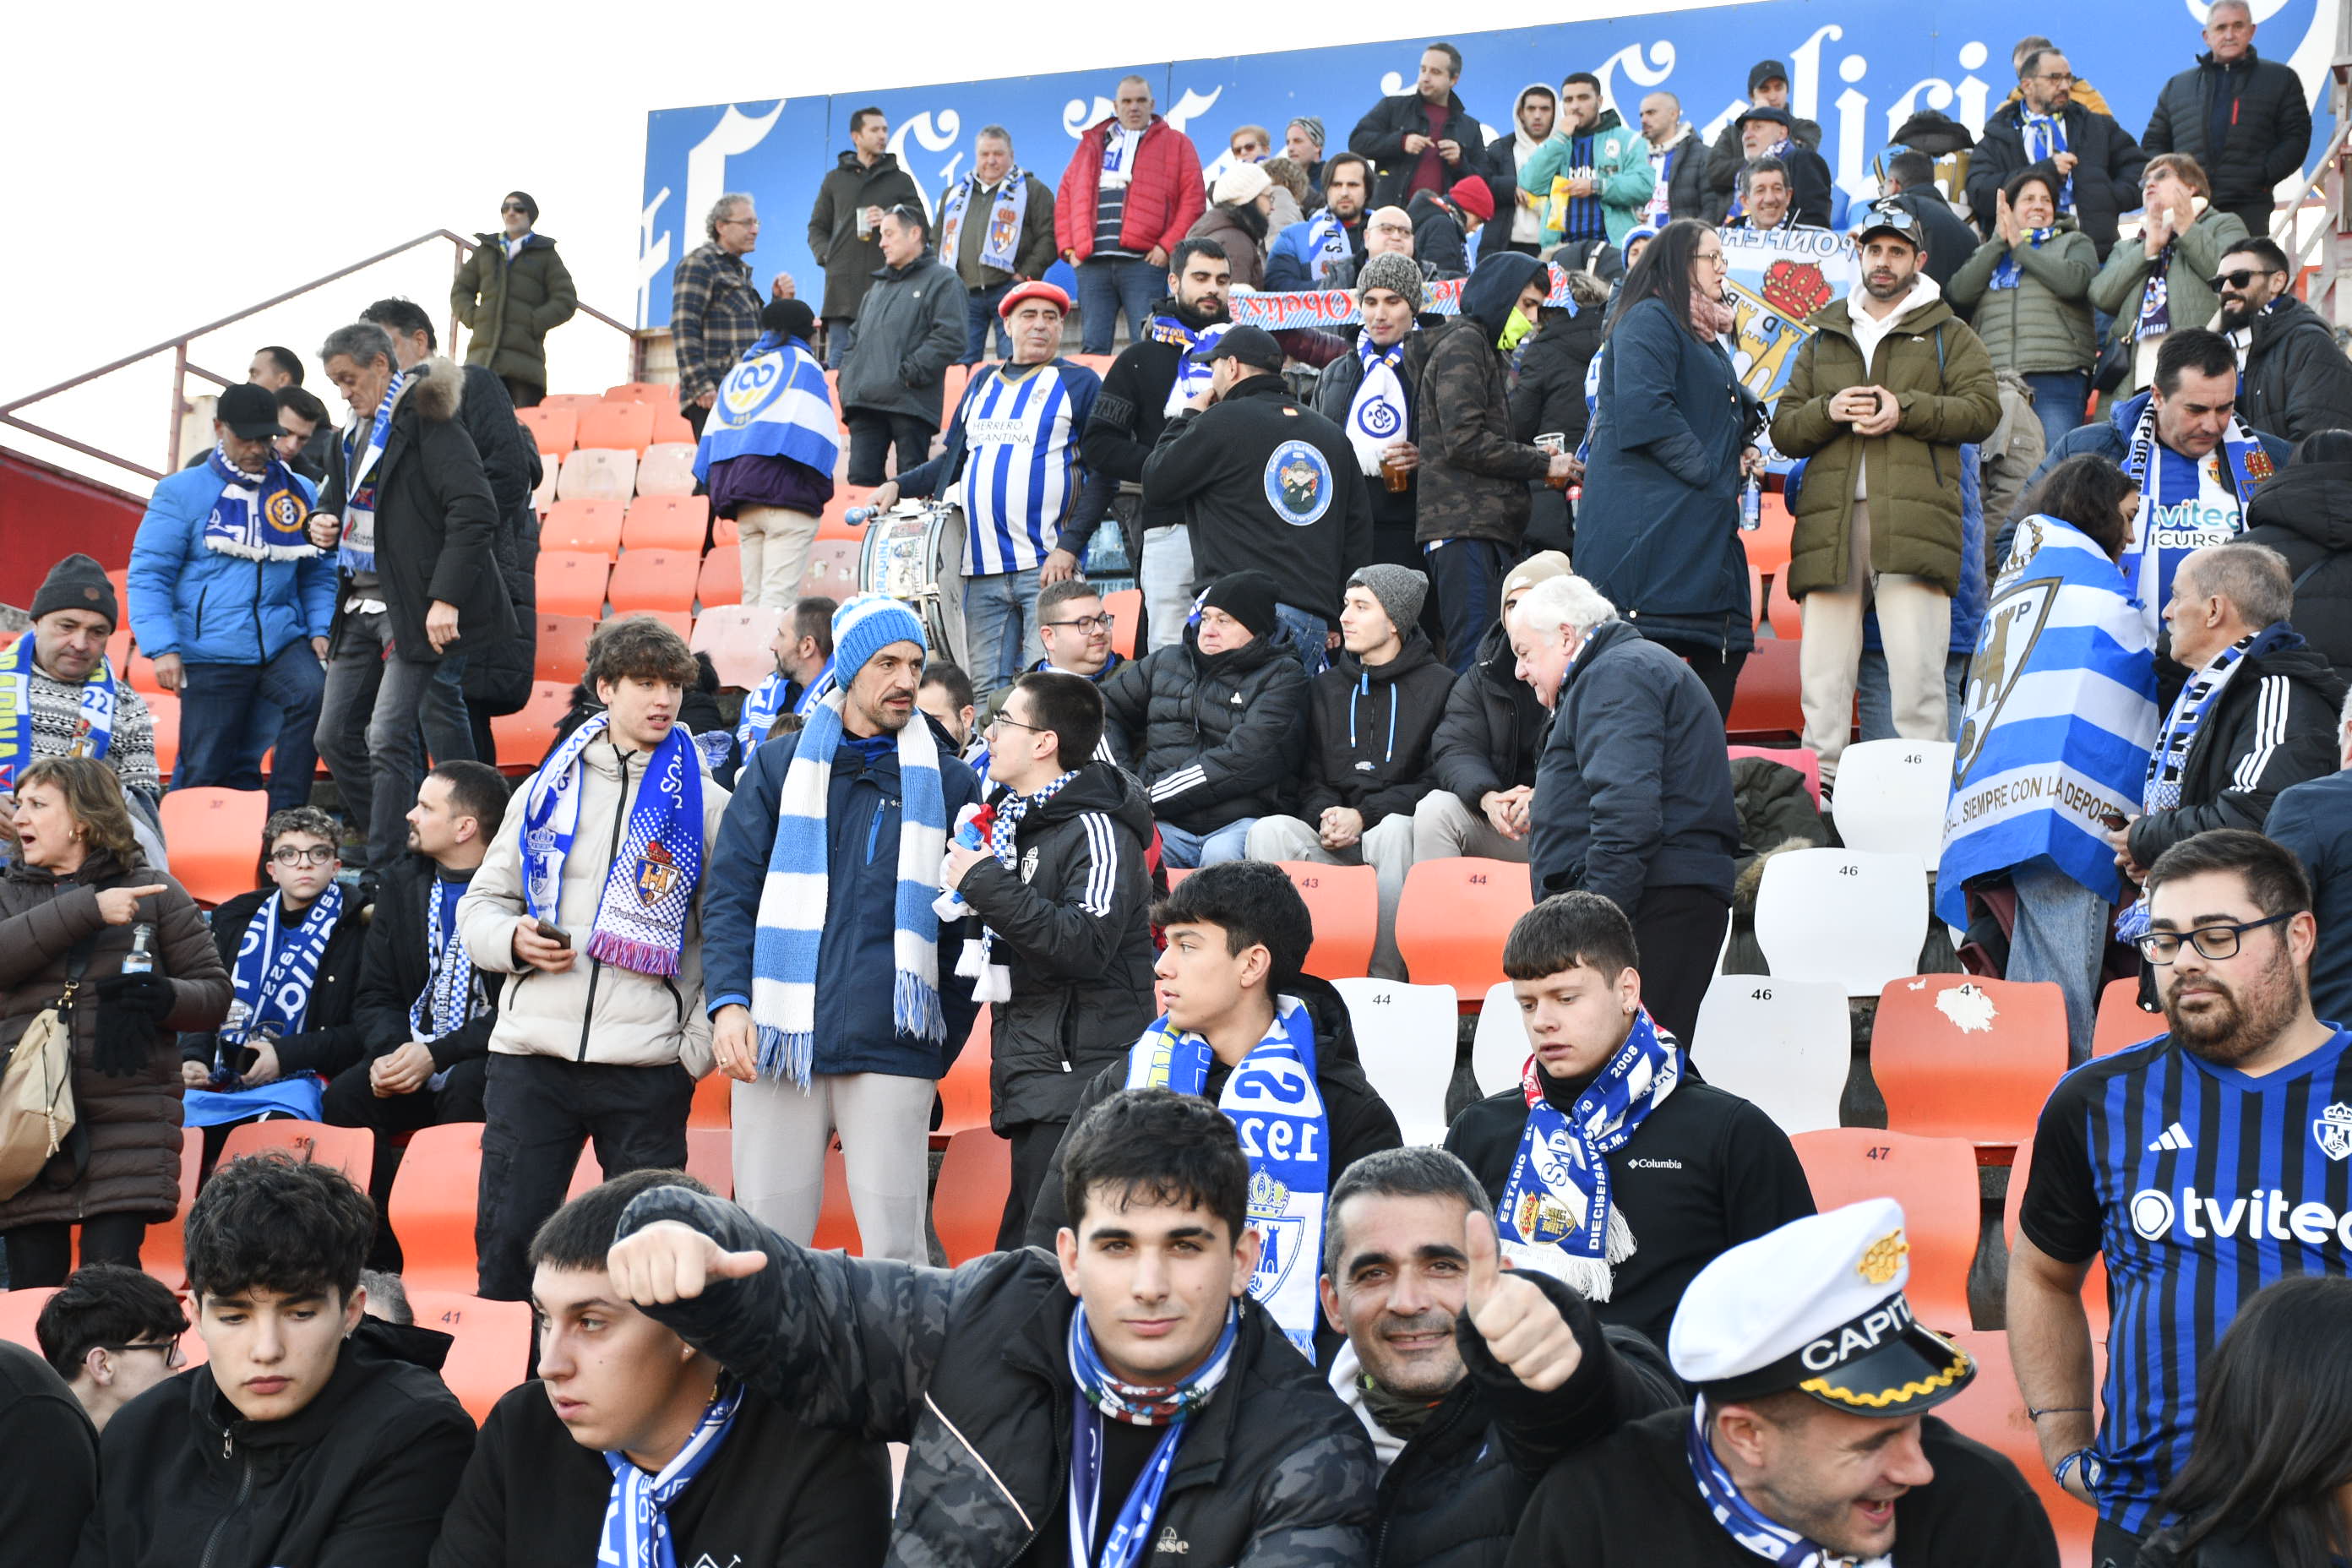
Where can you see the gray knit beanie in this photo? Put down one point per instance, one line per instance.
(1399, 590)
(1390, 270)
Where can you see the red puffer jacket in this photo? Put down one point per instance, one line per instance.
(1165, 197)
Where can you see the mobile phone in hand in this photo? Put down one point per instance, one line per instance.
(554, 933)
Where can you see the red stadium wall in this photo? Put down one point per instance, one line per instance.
(47, 513)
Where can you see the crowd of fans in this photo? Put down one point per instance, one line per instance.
(1232, 1316)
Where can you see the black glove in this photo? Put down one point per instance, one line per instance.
(131, 1013)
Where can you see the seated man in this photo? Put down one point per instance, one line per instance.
(1215, 726)
(1196, 1426)
(1273, 1047)
(294, 955)
(1369, 720)
(632, 1447)
(1063, 894)
(804, 673)
(1077, 629)
(112, 1334)
(1669, 1172)
(1471, 1381)
(314, 1434)
(1482, 759)
(49, 1451)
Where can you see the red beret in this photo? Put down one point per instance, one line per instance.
(1037, 289)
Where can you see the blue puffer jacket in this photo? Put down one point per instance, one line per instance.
(854, 1029)
(211, 608)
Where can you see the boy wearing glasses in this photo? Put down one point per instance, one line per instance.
(1062, 891)
(112, 1334)
(293, 952)
(2204, 1163)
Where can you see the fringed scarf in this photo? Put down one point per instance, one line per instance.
(648, 893)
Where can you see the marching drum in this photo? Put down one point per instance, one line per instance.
(914, 553)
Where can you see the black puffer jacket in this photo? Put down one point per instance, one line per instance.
(2298, 380)
(2107, 169)
(1453, 1497)
(1550, 391)
(2305, 514)
(1494, 728)
(1213, 736)
(397, 965)
(498, 680)
(971, 1369)
(1369, 732)
(2267, 121)
(332, 1037)
(1073, 926)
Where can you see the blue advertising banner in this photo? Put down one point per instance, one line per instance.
(1860, 67)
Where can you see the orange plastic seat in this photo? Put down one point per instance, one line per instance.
(952, 384)
(617, 426)
(670, 428)
(553, 431)
(1452, 919)
(714, 1101)
(571, 582)
(589, 527)
(668, 467)
(214, 838)
(524, 737)
(833, 568)
(719, 582)
(600, 473)
(571, 401)
(964, 1092)
(163, 710)
(738, 637)
(1787, 617)
(834, 522)
(653, 392)
(1126, 610)
(1992, 1411)
(490, 1352)
(431, 1208)
(560, 656)
(655, 580)
(350, 1150)
(2121, 1023)
(1099, 363)
(667, 523)
(679, 621)
(1344, 901)
(837, 1222)
(1934, 1180)
(710, 1158)
(1768, 701)
(19, 1309)
(2095, 1305)
(1958, 1056)
(165, 1253)
(975, 1179)
(1804, 759)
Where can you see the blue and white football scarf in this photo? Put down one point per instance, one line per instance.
(2156, 299)
(993, 984)
(1328, 245)
(453, 996)
(1100, 1395)
(2170, 757)
(636, 1513)
(999, 247)
(358, 553)
(16, 745)
(1274, 1099)
(648, 893)
(792, 899)
(1378, 413)
(273, 974)
(1192, 370)
(774, 404)
(1747, 1525)
(258, 517)
(1556, 1216)
(2170, 527)
(2045, 138)
(2007, 273)
(1117, 140)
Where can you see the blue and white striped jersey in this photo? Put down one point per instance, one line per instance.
(1021, 472)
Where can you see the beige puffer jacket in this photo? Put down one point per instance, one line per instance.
(591, 1011)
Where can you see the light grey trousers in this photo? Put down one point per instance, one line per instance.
(782, 1133)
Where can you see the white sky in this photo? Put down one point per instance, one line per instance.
(167, 168)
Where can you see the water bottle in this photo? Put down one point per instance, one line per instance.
(141, 959)
(1751, 505)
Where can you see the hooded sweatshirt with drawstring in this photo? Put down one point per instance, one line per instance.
(1368, 732)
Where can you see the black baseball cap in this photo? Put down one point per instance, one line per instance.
(250, 411)
(1887, 216)
(1253, 346)
(1778, 117)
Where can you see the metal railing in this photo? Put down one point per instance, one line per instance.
(182, 368)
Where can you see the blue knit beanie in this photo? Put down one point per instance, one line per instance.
(866, 626)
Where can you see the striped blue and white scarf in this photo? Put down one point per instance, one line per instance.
(2045, 138)
(453, 996)
(766, 704)
(1556, 1216)
(1747, 1524)
(358, 553)
(648, 893)
(258, 517)
(274, 973)
(637, 1514)
(1273, 1095)
(2007, 273)
(96, 724)
(1328, 245)
(999, 246)
(774, 404)
(1101, 1395)
(1192, 370)
(792, 899)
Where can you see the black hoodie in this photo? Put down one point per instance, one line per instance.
(356, 1478)
(1073, 925)
(2305, 514)
(1368, 732)
(1473, 474)
(2297, 379)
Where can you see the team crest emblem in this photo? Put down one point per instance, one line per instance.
(284, 512)
(2333, 1130)
(1281, 1235)
(1299, 483)
(1882, 1258)
(2011, 627)
(750, 387)
(1379, 420)
(2258, 465)
(656, 873)
(1029, 862)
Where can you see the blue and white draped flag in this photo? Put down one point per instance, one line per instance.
(774, 404)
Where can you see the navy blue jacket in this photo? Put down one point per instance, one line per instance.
(854, 964)
(1658, 528)
(2315, 820)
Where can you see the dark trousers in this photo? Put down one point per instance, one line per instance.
(41, 1254)
(980, 317)
(1034, 1143)
(540, 1112)
(218, 705)
(485, 744)
(2112, 1546)
(1468, 576)
(1678, 932)
(695, 415)
(526, 394)
(349, 1103)
(872, 435)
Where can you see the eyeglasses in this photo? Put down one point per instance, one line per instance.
(2213, 942)
(1708, 259)
(2065, 77)
(1090, 625)
(1392, 228)
(290, 856)
(2235, 280)
(174, 1357)
(1013, 724)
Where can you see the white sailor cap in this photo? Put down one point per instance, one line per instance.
(1817, 1305)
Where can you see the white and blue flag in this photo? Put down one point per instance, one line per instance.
(774, 404)
(2060, 716)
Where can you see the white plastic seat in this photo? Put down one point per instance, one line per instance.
(1498, 1051)
(667, 469)
(736, 636)
(598, 473)
(1891, 796)
(1784, 1045)
(1405, 1036)
(1843, 916)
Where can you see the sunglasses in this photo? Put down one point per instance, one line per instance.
(512, 207)
(2234, 279)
